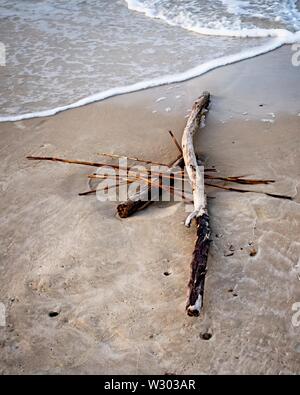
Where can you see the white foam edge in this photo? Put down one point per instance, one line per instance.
(164, 80)
(134, 5)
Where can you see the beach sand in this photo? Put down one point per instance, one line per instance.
(118, 312)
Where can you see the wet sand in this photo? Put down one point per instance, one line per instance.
(118, 312)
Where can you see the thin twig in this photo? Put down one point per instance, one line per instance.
(247, 190)
(87, 192)
(71, 161)
(175, 141)
(239, 180)
(96, 164)
(149, 162)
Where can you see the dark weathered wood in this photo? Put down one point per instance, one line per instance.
(198, 267)
(130, 207)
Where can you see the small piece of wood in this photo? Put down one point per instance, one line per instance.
(142, 200)
(200, 213)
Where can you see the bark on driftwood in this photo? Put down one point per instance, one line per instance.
(196, 176)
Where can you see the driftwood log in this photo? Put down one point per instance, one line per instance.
(195, 172)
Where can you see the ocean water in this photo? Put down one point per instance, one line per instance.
(62, 54)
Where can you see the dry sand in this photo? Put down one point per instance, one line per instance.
(118, 312)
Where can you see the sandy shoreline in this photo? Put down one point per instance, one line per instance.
(118, 313)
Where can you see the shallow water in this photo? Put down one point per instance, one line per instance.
(58, 52)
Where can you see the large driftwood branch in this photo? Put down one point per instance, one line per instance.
(200, 213)
(194, 169)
